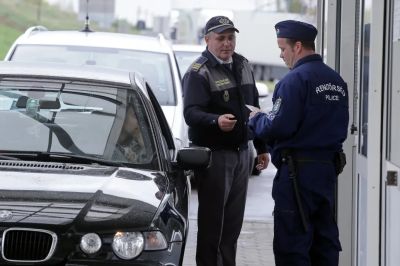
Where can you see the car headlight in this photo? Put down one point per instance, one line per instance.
(154, 240)
(90, 243)
(128, 245)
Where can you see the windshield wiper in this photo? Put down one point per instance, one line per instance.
(58, 157)
(81, 158)
(6, 157)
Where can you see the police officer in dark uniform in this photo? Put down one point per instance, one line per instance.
(217, 87)
(305, 130)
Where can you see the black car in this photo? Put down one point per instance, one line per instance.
(89, 174)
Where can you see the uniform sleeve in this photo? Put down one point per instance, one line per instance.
(286, 115)
(196, 101)
(260, 146)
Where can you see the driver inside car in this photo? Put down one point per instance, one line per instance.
(130, 145)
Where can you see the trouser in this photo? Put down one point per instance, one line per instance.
(319, 245)
(222, 192)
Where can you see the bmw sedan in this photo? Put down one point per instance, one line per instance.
(89, 173)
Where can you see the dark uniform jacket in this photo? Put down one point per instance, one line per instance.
(310, 111)
(211, 90)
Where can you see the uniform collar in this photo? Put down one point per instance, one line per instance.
(213, 61)
(221, 61)
(306, 59)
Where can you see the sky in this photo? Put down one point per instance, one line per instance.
(254, 18)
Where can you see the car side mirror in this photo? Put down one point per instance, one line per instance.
(193, 158)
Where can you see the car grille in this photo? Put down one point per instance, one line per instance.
(40, 165)
(26, 244)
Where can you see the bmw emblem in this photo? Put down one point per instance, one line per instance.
(5, 215)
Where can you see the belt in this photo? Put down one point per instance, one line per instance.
(239, 148)
(303, 156)
(309, 155)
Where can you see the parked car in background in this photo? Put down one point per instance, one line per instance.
(186, 54)
(151, 56)
(89, 174)
(264, 98)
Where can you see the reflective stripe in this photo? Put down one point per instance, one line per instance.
(218, 26)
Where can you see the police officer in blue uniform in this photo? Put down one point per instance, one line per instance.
(305, 130)
(217, 87)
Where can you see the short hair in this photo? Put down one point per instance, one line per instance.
(307, 44)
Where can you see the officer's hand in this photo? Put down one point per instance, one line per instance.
(263, 161)
(253, 110)
(226, 122)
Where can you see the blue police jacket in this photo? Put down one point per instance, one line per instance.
(211, 90)
(310, 110)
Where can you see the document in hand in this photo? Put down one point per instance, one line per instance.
(253, 108)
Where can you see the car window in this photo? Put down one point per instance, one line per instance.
(185, 59)
(88, 119)
(154, 66)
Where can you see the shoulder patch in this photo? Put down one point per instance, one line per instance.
(277, 105)
(198, 63)
(275, 109)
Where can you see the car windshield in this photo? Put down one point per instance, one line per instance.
(185, 59)
(155, 67)
(77, 119)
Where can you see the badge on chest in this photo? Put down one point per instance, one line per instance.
(226, 96)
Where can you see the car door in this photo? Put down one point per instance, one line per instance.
(178, 179)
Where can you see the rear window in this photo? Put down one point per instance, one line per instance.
(185, 59)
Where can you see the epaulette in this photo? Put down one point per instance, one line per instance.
(198, 63)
